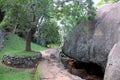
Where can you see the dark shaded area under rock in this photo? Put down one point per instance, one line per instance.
(87, 71)
(91, 68)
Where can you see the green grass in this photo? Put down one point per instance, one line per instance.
(38, 73)
(7, 73)
(15, 45)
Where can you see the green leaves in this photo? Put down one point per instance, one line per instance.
(73, 12)
(24, 14)
(27, 13)
(107, 1)
(49, 32)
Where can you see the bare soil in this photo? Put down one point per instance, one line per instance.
(52, 70)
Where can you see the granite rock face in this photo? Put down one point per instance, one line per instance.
(92, 42)
(106, 34)
(112, 71)
(76, 44)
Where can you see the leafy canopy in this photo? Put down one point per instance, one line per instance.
(21, 15)
(72, 12)
(107, 1)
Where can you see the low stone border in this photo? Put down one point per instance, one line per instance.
(22, 61)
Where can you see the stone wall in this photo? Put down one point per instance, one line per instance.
(21, 61)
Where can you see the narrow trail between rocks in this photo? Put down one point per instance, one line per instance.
(50, 69)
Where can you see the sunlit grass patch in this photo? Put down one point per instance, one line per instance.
(15, 46)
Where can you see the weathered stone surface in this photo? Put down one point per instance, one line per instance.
(106, 34)
(76, 44)
(52, 53)
(40, 41)
(94, 42)
(22, 61)
(1, 39)
(112, 71)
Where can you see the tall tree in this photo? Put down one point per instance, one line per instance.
(31, 14)
(25, 14)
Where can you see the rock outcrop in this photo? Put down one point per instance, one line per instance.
(106, 34)
(52, 53)
(92, 42)
(1, 39)
(112, 71)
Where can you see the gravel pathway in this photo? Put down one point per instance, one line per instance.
(52, 70)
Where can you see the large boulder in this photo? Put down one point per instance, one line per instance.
(40, 41)
(92, 42)
(76, 44)
(1, 39)
(106, 34)
(112, 71)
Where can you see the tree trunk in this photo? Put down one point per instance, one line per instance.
(28, 41)
(28, 38)
(14, 29)
(31, 31)
(2, 14)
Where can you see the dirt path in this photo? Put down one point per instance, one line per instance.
(52, 70)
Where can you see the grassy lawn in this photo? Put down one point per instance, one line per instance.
(8, 73)
(15, 46)
(37, 73)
